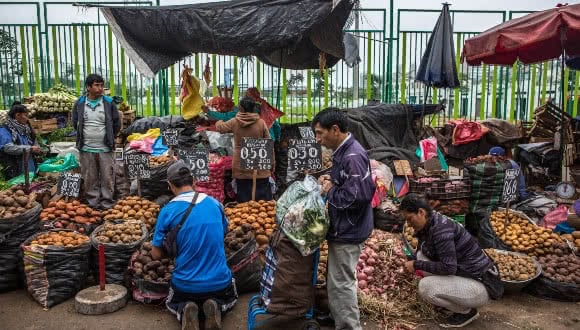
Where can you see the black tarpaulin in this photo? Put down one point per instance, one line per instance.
(283, 33)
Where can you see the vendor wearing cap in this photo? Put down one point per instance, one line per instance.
(16, 138)
(522, 192)
(201, 280)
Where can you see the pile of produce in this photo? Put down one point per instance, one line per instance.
(326, 158)
(144, 267)
(221, 104)
(120, 233)
(134, 207)
(522, 235)
(14, 202)
(574, 238)
(259, 215)
(67, 213)
(3, 116)
(513, 267)
(159, 160)
(215, 186)
(322, 264)
(58, 99)
(561, 268)
(413, 241)
(386, 292)
(450, 207)
(236, 238)
(60, 238)
(124, 107)
(484, 159)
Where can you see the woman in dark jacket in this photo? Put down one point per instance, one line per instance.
(17, 138)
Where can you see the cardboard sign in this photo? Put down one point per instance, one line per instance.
(198, 161)
(306, 132)
(257, 154)
(69, 184)
(171, 137)
(137, 166)
(403, 168)
(510, 185)
(304, 154)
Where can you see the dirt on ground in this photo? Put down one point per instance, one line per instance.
(19, 311)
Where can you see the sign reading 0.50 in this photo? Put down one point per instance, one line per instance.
(257, 154)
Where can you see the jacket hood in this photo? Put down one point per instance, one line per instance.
(247, 118)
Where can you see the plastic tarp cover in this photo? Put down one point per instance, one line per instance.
(282, 33)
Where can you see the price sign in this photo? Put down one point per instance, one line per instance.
(257, 154)
(171, 137)
(306, 132)
(304, 154)
(510, 186)
(137, 166)
(69, 184)
(198, 162)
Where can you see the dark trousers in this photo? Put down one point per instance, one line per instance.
(226, 299)
(263, 190)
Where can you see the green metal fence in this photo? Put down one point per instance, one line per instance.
(47, 52)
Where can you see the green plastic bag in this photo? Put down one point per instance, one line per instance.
(21, 180)
(59, 164)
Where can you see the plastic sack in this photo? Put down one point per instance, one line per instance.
(552, 219)
(427, 149)
(59, 164)
(219, 141)
(215, 186)
(268, 113)
(191, 100)
(546, 288)
(487, 237)
(301, 214)
(159, 148)
(13, 232)
(117, 256)
(55, 274)
(143, 145)
(153, 133)
(156, 185)
(383, 178)
(21, 179)
(246, 267)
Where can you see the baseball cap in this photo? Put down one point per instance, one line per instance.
(178, 170)
(497, 151)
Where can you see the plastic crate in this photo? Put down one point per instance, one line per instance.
(459, 188)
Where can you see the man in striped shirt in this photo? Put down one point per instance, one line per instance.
(451, 259)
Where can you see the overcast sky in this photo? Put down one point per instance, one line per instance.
(13, 14)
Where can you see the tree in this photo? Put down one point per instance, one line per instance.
(293, 81)
(9, 48)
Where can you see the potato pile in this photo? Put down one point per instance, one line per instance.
(574, 238)
(134, 207)
(513, 267)
(564, 269)
(260, 215)
(235, 239)
(409, 232)
(483, 159)
(322, 263)
(523, 236)
(146, 268)
(71, 212)
(60, 238)
(14, 202)
(159, 160)
(120, 233)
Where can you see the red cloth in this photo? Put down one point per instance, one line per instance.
(532, 38)
(268, 113)
(467, 131)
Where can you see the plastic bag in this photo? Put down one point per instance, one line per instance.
(153, 133)
(546, 288)
(55, 274)
(143, 145)
(383, 178)
(59, 164)
(13, 232)
(246, 267)
(117, 256)
(552, 219)
(21, 179)
(159, 148)
(301, 213)
(219, 141)
(156, 185)
(191, 100)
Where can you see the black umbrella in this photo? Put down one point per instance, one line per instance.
(438, 68)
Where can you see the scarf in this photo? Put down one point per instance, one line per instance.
(17, 129)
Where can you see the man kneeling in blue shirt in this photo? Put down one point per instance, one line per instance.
(201, 276)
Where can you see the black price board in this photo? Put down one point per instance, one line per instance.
(171, 137)
(306, 132)
(137, 166)
(257, 154)
(198, 162)
(510, 186)
(69, 184)
(304, 154)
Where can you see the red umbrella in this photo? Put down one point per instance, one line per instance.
(532, 38)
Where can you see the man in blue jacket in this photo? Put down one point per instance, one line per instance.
(97, 122)
(349, 190)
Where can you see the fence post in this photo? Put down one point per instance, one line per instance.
(77, 69)
(123, 76)
(565, 82)
(309, 93)
(513, 91)
(37, 82)
(172, 88)
(326, 87)
(576, 85)
(236, 87)
(111, 64)
(196, 65)
(457, 91)
(23, 51)
(148, 102)
(87, 57)
(494, 93)
(544, 82)
(369, 66)
(404, 70)
(259, 75)
(390, 57)
(55, 58)
(214, 75)
(533, 93)
(284, 91)
(483, 92)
